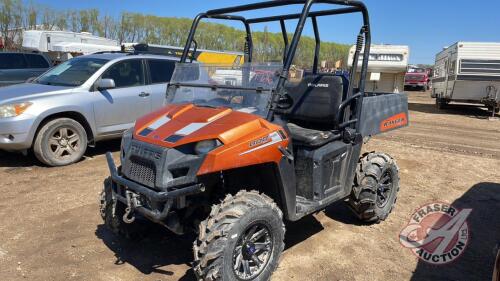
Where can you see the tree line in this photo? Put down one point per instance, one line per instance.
(17, 15)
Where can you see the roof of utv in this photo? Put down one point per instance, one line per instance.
(231, 13)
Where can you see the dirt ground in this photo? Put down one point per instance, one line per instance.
(50, 227)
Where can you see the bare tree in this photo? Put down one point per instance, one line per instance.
(10, 21)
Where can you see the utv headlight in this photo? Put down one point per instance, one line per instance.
(13, 110)
(204, 147)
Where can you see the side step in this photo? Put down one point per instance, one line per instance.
(306, 207)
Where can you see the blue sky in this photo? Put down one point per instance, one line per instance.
(425, 25)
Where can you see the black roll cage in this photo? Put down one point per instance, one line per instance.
(348, 118)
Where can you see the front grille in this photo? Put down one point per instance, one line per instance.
(141, 170)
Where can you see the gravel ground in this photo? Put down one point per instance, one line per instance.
(51, 230)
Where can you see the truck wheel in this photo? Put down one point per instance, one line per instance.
(112, 212)
(242, 239)
(441, 103)
(375, 189)
(495, 109)
(60, 142)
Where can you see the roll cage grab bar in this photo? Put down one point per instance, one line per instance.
(351, 6)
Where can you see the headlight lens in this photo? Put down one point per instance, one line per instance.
(13, 110)
(204, 147)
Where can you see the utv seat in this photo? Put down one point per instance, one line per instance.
(312, 117)
(309, 137)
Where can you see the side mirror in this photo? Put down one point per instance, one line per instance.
(105, 84)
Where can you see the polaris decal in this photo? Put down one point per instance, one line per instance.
(396, 121)
(264, 142)
(317, 85)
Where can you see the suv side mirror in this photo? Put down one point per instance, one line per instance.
(105, 84)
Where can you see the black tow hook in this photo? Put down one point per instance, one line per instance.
(132, 202)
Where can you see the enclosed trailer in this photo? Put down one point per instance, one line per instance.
(387, 67)
(63, 45)
(468, 72)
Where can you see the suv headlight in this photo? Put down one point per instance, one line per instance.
(13, 110)
(204, 147)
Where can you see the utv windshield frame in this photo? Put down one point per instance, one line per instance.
(346, 117)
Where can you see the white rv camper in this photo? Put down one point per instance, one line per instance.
(63, 45)
(387, 67)
(468, 72)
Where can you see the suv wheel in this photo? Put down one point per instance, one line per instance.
(60, 142)
(375, 189)
(242, 239)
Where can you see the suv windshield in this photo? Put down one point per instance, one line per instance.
(72, 73)
(246, 88)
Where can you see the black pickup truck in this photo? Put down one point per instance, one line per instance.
(16, 67)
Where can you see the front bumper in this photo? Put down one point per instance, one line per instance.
(16, 133)
(415, 84)
(128, 192)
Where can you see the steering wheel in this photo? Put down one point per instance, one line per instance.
(198, 101)
(219, 101)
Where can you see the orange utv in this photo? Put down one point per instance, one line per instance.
(239, 149)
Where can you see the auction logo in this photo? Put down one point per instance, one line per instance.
(437, 233)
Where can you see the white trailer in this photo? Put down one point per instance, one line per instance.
(468, 72)
(63, 45)
(386, 68)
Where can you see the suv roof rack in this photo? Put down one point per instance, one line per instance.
(147, 49)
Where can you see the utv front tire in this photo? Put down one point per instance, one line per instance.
(242, 239)
(112, 212)
(375, 189)
(60, 142)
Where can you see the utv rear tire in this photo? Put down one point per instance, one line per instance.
(60, 142)
(375, 189)
(242, 228)
(112, 212)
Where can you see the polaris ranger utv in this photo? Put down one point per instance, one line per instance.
(233, 159)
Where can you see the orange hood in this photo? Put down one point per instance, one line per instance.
(175, 125)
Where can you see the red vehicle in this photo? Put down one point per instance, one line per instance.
(418, 78)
